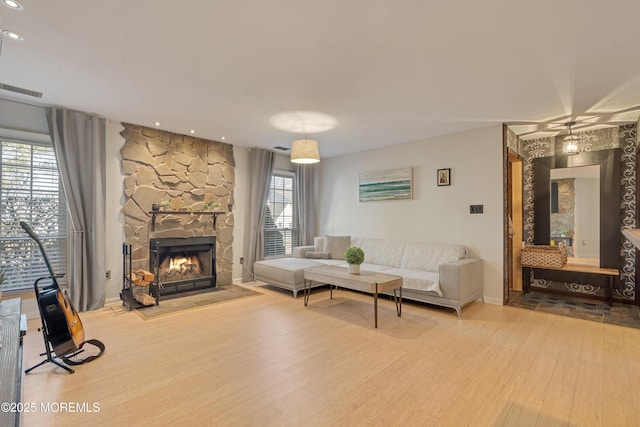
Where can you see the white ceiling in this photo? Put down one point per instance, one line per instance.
(388, 71)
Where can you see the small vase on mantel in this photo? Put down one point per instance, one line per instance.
(354, 268)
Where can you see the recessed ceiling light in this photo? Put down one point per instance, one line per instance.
(157, 123)
(223, 138)
(13, 4)
(192, 131)
(12, 35)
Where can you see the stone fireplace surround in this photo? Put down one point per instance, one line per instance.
(188, 173)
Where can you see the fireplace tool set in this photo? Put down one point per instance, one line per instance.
(139, 287)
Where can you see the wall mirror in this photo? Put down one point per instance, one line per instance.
(607, 221)
(575, 212)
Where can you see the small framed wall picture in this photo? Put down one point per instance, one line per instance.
(444, 177)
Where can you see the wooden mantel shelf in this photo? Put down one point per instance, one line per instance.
(154, 214)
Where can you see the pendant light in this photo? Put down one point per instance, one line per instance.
(305, 151)
(571, 141)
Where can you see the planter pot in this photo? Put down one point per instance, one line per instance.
(354, 268)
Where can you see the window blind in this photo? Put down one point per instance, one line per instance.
(30, 191)
(280, 225)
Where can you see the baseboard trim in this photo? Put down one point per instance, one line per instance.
(494, 301)
(112, 301)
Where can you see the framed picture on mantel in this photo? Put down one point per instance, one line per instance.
(444, 177)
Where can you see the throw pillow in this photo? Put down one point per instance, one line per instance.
(318, 244)
(336, 245)
(318, 255)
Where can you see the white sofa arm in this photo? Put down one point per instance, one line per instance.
(301, 251)
(462, 278)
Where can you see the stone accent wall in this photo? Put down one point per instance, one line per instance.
(563, 222)
(186, 173)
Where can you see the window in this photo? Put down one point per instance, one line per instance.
(280, 222)
(30, 191)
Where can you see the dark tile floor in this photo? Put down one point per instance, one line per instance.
(619, 314)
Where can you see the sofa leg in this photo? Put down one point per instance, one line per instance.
(459, 311)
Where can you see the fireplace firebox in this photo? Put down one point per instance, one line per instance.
(183, 264)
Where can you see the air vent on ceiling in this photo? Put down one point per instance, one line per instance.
(20, 90)
(281, 148)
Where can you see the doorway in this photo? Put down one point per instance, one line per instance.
(514, 219)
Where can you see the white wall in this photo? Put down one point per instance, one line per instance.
(241, 196)
(20, 117)
(436, 214)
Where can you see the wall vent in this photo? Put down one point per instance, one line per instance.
(20, 90)
(281, 148)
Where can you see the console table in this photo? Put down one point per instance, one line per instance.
(12, 329)
(587, 270)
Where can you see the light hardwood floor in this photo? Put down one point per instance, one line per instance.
(270, 361)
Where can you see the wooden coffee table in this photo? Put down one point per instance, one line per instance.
(367, 281)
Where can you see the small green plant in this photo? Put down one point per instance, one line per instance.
(216, 205)
(206, 207)
(164, 204)
(354, 255)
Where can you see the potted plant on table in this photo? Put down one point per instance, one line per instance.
(354, 257)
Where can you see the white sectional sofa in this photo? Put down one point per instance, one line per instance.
(435, 273)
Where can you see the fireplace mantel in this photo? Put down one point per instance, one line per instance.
(155, 213)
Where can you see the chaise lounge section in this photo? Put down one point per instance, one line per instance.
(435, 273)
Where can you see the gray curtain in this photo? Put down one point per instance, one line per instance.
(79, 144)
(305, 196)
(260, 167)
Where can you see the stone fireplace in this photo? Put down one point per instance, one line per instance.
(188, 178)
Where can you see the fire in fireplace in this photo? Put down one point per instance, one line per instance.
(183, 264)
(180, 268)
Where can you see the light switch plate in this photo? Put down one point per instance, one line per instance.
(476, 209)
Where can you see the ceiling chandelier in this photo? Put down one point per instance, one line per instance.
(570, 143)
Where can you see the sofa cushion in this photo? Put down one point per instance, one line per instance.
(429, 256)
(381, 251)
(336, 245)
(372, 267)
(318, 244)
(318, 255)
(287, 270)
(417, 279)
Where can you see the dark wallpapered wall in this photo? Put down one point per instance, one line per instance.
(624, 137)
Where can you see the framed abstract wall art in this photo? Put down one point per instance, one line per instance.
(395, 184)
